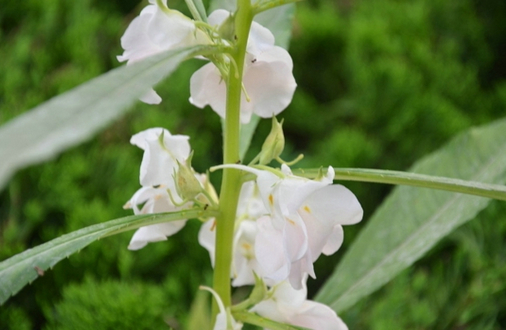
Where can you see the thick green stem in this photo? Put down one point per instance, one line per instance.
(231, 183)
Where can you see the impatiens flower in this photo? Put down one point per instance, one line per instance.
(305, 220)
(163, 153)
(287, 305)
(155, 30)
(267, 79)
(155, 200)
(250, 207)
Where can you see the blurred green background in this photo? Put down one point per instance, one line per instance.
(381, 83)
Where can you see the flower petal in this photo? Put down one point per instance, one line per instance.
(154, 233)
(314, 315)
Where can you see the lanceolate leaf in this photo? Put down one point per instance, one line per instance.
(413, 179)
(78, 114)
(25, 267)
(412, 220)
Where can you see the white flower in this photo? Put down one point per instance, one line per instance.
(290, 306)
(267, 77)
(162, 151)
(155, 30)
(305, 218)
(244, 263)
(155, 200)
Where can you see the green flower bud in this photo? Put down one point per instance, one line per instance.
(274, 143)
(188, 186)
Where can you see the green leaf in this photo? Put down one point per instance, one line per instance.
(25, 267)
(197, 10)
(412, 220)
(78, 114)
(199, 316)
(413, 179)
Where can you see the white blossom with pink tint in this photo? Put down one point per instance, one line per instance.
(287, 305)
(267, 78)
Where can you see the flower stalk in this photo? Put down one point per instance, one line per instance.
(231, 183)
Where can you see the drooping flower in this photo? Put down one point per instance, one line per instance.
(163, 153)
(155, 200)
(290, 306)
(305, 220)
(158, 29)
(267, 78)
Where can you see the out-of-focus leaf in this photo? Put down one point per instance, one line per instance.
(25, 267)
(412, 220)
(200, 316)
(78, 114)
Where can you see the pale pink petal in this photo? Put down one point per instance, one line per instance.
(170, 30)
(317, 316)
(208, 88)
(207, 237)
(334, 241)
(270, 84)
(270, 251)
(217, 17)
(260, 39)
(335, 204)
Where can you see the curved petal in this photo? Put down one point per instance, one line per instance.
(270, 86)
(260, 39)
(334, 241)
(270, 251)
(207, 237)
(335, 204)
(208, 88)
(154, 233)
(217, 17)
(151, 97)
(171, 29)
(314, 315)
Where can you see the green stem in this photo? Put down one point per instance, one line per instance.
(231, 183)
(413, 179)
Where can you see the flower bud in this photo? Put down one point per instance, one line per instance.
(259, 292)
(227, 28)
(188, 186)
(274, 143)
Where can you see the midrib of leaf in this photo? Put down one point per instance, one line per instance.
(18, 270)
(412, 237)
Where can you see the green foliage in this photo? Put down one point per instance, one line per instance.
(109, 305)
(381, 83)
(412, 220)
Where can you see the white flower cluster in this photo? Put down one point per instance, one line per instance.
(268, 80)
(283, 222)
